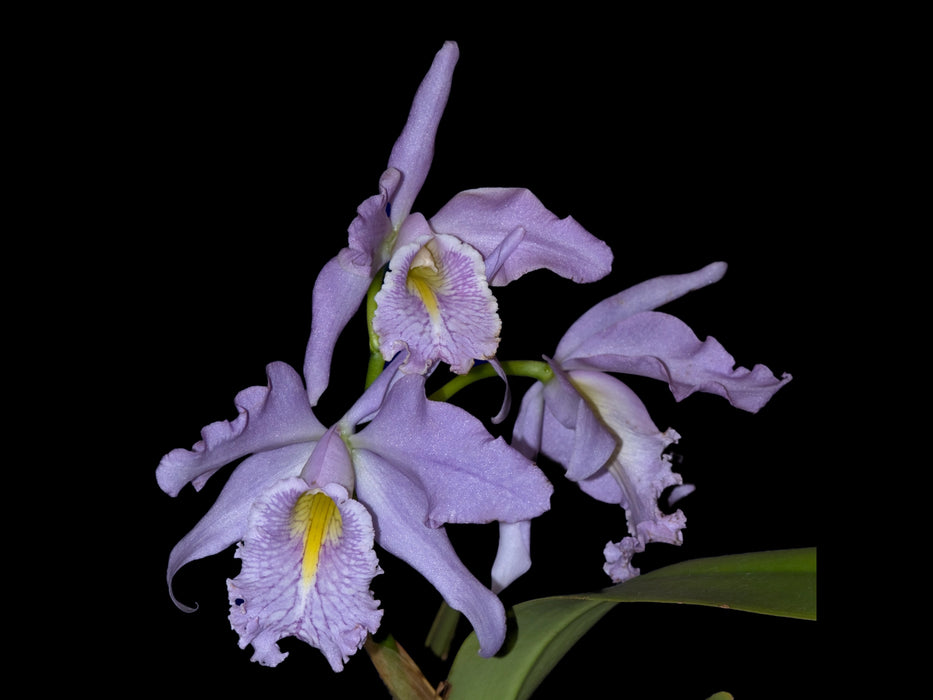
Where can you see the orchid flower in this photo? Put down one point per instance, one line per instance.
(598, 429)
(435, 302)
(308, 503)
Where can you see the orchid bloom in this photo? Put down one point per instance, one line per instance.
(435, 303)
(308, 503)
(598, 429)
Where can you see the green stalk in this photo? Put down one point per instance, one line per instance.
(536, 369)
(376, 361)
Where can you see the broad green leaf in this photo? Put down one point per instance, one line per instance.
(772, 583)
(547, 629)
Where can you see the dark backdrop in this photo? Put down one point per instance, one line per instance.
(228, 162)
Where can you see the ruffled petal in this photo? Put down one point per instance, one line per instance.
(485, 218)
(436, 304)
(661, 346)
(619, 559)
(645, 296)
(370, 234)
(269, 417)
(226, 521)
(400, 510)
(414, 150)
(466, 475)
(308, 563)
(666, 528)
(638, 473)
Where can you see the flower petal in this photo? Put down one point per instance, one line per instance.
(308, 563)
(435, 303)
(269, 417)
(503, 251)
(329, 463)
(338, 293)
(645, 296)
(513, 558)
(342, 283)
(485, 218)
(638, 473)
(226, 521)
(370, 403)
(619, 559)
(507, 395)
(572, 433)
(370, 233)
(467, 476)
(529, 423)
(658, 345)
(400, 509)
(640, 470)
(414, 150)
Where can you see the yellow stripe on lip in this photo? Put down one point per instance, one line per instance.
(424, 279)
(317, 520)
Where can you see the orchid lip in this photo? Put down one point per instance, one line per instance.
(435, 302)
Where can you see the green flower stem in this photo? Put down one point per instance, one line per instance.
(374, 368)
(536, 369)
(376, 362)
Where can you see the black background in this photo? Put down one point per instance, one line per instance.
(216, 166)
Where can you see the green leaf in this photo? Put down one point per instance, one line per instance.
(547, 628)
(773, 583)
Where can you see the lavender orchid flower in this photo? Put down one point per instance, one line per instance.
(436, 303)
(308, 503)
(598, 429)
